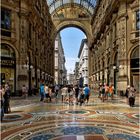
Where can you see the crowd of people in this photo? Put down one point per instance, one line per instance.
(106, 91)
(69, 94)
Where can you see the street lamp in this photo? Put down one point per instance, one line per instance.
(117, 67)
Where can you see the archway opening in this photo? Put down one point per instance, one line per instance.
(135, 68)
(8, 66)
(69, 43)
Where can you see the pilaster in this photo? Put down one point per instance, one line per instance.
(122, 40)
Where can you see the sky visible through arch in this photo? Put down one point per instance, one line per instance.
(71, 40)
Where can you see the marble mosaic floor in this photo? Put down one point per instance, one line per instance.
(111, 120)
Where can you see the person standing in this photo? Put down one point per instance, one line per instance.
(103, 93)
(76, 93)
(82, 97)
(2, 92)
(56, 90)
(64, 92)
(131, 96)
(24, 91)
(100, 90)
(47, 94)
(87, 93)
(42, 92)
(50, 92)
(106, 91)
(111, 93)
(127, 93)
(6, 96)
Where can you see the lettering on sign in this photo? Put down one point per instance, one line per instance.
(9, 63)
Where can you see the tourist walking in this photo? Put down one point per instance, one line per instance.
(111, 91)
(42, 92)
(103, 93)
(64, 92)
(6, 96)
(100, 90)
(2, 92)
(24, 91)
(47, 93)
(86, 93)
(82, 97)
(127, 93)
(106, 91)
(131, 96)
(71, 94)
(76, 89)
(56, 90)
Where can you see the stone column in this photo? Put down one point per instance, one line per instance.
(22, 74)
(122, 56)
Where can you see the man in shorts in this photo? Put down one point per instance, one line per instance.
(87, 93)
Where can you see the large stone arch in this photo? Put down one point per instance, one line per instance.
(73, 23)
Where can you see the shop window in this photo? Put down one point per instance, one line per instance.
(7, 51)
(135, 60)
(5, 22)
(138, 20)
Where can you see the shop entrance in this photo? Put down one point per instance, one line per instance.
(135, 68)
(8, 67)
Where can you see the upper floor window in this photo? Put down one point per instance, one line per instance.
(138, 20)
(7, 51)
(5, 22)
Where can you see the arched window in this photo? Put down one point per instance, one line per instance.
(135, 53)
(7, 51)
(135, 58)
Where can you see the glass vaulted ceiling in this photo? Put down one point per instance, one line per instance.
(88, 4)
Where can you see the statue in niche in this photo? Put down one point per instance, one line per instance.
(82, 15)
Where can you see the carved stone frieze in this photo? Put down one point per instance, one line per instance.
(122, 38)
(135, 4)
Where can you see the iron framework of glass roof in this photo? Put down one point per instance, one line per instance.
(87, 4)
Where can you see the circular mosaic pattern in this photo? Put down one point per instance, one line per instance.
(72, 130)
(122, 137)
(75, 112)
(136, 116)
(133, 116)
(15, 117)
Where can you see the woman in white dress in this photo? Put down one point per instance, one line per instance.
(64, 92)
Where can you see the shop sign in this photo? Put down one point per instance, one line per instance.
(7, 63)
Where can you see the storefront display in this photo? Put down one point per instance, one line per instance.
(8, 66)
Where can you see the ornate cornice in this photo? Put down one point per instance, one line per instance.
(135, 4)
